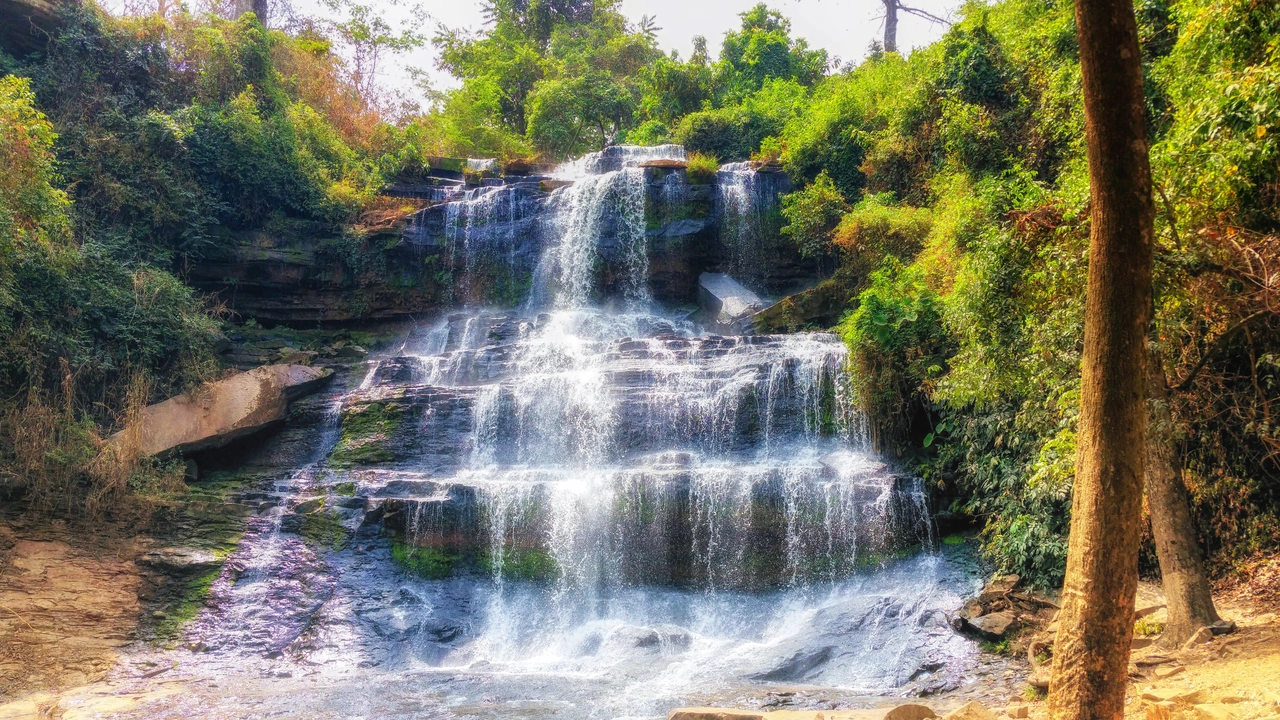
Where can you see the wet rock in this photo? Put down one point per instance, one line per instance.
(798, 665)
(220, 411)
(725, 305)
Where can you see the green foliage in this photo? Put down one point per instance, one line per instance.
(701, 168)
(763, 49)
(899, 350)
(811, 214)
(876, 228)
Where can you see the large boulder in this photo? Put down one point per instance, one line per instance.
(725, 305)
(220, 411)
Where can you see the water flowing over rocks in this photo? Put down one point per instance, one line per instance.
(579, 502)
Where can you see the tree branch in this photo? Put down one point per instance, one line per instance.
(922, 13)
(1217, 347)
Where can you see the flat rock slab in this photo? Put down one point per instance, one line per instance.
(221, 411)
(995, 625)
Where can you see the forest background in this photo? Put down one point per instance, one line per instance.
(947, 193)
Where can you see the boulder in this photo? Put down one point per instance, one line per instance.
(818, 307)
(726, 305)
(220, 411)
(973, 710)
(1199, 637)
(994, 626)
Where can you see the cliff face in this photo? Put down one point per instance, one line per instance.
(505, 241)
(25, 25)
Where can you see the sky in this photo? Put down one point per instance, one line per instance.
(845, 28)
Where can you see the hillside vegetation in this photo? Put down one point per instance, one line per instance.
(948, 188)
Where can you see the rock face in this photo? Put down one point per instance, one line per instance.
(25, 24)
(650, 228)
(221, 411)
(725, 304)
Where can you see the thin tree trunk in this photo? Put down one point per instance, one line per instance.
(1186, 586)
(1091, 656)
(890, 25)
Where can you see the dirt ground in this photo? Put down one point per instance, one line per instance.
(64, 610)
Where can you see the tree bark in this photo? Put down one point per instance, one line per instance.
(1182, 572)
(1091, 655)
(890, 25)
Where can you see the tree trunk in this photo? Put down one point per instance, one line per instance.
(1091, 656)
(890, 25)
(1186, 586)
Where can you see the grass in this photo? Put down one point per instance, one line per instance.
(956, 539)
(701, 168)
(1147, 627)
(1001, 647)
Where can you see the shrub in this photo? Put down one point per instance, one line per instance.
(811, 214)
(702, 168)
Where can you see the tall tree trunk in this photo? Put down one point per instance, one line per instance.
(1091, 656)
(1186, 586)
(890, 25)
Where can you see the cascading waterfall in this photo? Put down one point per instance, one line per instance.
(747, 203)
(609, 512)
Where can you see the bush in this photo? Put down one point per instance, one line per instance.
(811, 214)
(702, 168)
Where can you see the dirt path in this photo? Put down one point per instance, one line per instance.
(64, 611)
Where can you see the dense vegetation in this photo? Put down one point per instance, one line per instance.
(949, 188)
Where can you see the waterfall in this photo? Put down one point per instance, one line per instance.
(587, 507)
(747, 205)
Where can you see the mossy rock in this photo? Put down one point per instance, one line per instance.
(366, 434)
(429, 563)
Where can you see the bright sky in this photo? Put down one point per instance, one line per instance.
(845, 28)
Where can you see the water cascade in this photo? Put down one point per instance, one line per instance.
(587, 506)
(749, 222)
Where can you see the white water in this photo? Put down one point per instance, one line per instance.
(640, 515)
